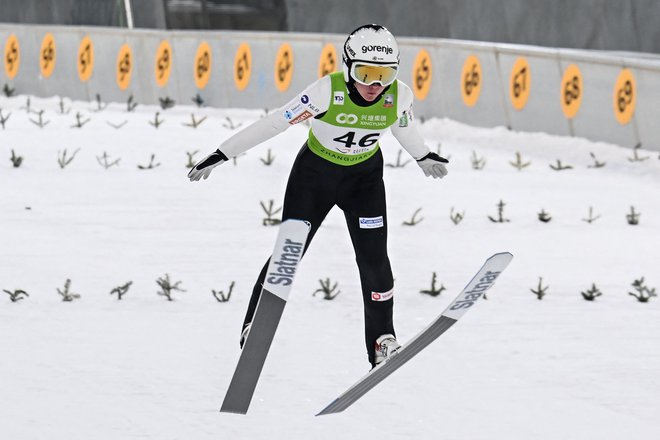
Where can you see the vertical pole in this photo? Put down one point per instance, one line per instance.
(206, 21)
(129, 13)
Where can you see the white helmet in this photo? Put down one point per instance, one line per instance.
(371, 55)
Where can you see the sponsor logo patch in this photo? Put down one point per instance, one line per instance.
(343, 118)
(376, 48)
(304, 99)
(389, 101)
(403, 120)
(384, 296)
(302, 117)
(285, 268)
(339, 98)
(371, 222)
(293, 111)
(469, 298)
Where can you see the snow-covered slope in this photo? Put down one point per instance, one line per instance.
(143, 367)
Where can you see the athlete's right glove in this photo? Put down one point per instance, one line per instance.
(204, 167)
(433, 165)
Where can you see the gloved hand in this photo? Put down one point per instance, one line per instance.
(433, 165)
(204, 167)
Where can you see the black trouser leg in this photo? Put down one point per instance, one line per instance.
(376, 280)
(364, 207)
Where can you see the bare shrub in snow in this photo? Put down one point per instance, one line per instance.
(642, 292)
(633, 217)
(414, 220)
(121, 290)
(434, 290)
(63, 160)
(220, 295)
(540, 290)
(270, 212)
(591, 294)
(167, 288)
(500, 214)
(66, 295)
(16, 161)
(327, 291)
(519, 164)
(16, 295)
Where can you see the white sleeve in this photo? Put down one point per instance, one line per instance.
(311, 102)
(405, 130)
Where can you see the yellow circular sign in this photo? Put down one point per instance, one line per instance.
(520, 83)
(625, 96)
(85, 59)
(571, 91)
(12, 56)
(422, 75)
(163, 63)
(471, 80)
(124, 66)
(283, 67)
(47, 55)
(242, 66)
(202, 66)
(328, 60)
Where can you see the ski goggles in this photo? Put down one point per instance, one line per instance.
(368, 74)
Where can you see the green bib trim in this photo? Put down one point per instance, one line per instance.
(347, 133)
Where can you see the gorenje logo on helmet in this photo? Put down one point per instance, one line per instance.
(387, 49)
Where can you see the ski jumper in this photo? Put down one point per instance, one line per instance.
(341, 164)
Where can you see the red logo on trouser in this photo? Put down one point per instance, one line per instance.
(384, 296)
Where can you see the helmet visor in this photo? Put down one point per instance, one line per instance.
(368, 74)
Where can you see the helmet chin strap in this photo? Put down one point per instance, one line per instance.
(357, 98)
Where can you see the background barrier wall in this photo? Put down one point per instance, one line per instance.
(630, 25)
(568, 92)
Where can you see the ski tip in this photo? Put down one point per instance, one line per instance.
(508, 256)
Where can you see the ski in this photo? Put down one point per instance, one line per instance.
(478, 285)
(288, 251)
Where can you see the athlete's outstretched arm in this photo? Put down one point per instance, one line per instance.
(314, 100)
(408, 135)
(256, 133)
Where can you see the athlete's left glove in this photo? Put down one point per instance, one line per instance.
(433, 165)
(204, 167)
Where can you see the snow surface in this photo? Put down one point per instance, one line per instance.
(145, 368)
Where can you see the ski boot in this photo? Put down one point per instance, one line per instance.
(386, 346)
